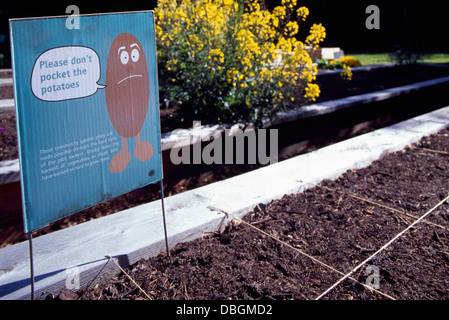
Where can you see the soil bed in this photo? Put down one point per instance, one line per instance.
(340, 223)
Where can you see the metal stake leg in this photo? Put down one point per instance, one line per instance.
(163, 216)
(30, 243)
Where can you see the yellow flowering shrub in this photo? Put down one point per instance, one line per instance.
(345, 63)
(231, 60)
(346, 73)
(350, 61)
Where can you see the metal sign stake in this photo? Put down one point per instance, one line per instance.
(30, 243)
(163, 216)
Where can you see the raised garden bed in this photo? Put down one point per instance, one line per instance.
(376, 79)
(339, 223)
(312, 134)
(331, 84)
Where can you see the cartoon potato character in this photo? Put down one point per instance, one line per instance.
(127, 97)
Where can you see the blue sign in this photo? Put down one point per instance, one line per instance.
(87, 111)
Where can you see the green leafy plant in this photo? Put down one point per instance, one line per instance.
(2, 60)
(403, 56)
(323, 63)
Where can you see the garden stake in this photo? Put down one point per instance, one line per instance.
(30, 243)
(163, 217)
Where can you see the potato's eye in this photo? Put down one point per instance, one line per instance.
(124, 57)
(135, 55)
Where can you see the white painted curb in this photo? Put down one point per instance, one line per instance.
(9, 171)
(137, 232)
(7, 105)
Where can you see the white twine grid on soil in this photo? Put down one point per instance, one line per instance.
(298, 250)
(129, 277)
(382, 248)
(386, 207)
(347, 276)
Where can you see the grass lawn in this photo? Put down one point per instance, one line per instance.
(383, 58)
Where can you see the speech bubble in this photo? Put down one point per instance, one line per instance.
(66, 73)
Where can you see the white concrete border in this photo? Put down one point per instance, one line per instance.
(7, 105)
(343, 103)
(9, 171)
(364, 68)
(6, 82)
(183, 137)
(137, 232)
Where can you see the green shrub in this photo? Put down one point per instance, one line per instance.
(404, 56)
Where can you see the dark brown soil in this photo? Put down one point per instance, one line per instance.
(6, 92)
(5, 73)
(8, 136)
(340, 223)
